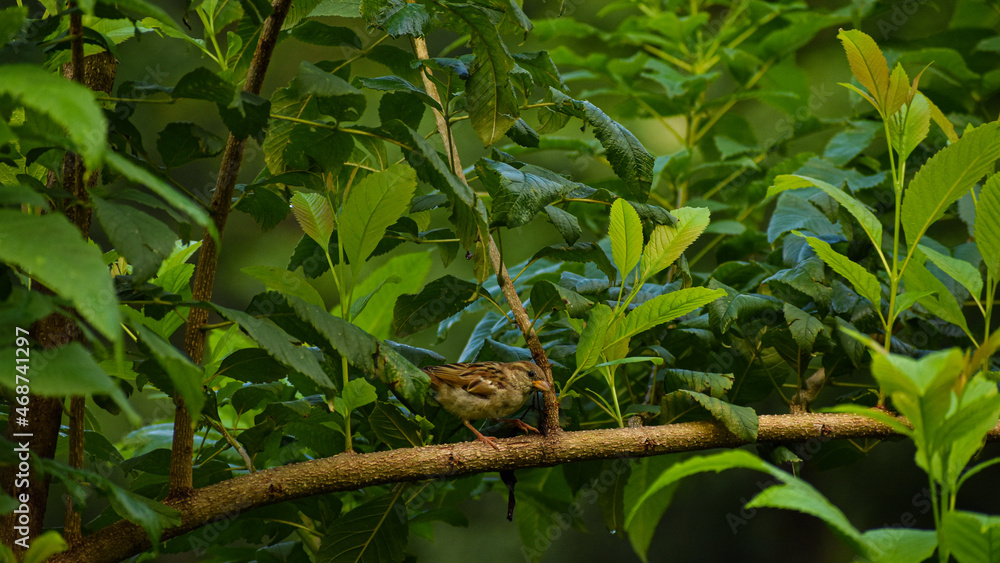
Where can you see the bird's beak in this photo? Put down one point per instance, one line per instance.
(541, 384)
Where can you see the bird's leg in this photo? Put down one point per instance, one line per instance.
(524, 426)
(486, 439)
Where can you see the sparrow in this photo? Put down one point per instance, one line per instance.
(486, 390)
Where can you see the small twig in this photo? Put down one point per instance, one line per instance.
(221, 429)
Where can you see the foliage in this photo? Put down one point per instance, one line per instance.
(664, 287)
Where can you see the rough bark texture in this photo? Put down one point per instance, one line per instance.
(56, 330)
(351, 471)
(208, 258)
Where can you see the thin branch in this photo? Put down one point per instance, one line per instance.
(182, 448)
(352, 471)
(550, 422)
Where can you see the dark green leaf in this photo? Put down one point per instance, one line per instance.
(316, 33)
(393, 428)
(252, 365)
(142, 239)
(547, 297)
(203, 84)
(406, 380)
(180, 143)
(438, 300)
(372, 533)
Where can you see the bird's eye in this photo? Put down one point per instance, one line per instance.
(531, 373)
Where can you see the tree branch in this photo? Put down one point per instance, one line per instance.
(550, 422)
(182, 448)
(351, 471)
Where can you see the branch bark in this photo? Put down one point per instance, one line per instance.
(550, 422)
(182, 450)
(351, 471)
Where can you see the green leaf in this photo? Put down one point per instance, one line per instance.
(567, 224)
(180, 143)
(376, 317)
(629, 159)
(869, 223)
(625, 231)
(867, 64)
(642, 526)
(375, 203)
(864, 283)
(184, 374)
(334, 95)
(252, 365)
(11, 21)
(712, 384)
(285, 282)
(732, 459)
(278, 344)
(358, 393)
(898, 91)
(65, 371)
(547, 297)
(372, 533)
(518, 195)
(946, 177)
(970, 536)
(492, 103)
(803, 326)
(70, 104)
(580, 252)
(139, 9)
(203, 84)
(160, 187)
(937, 298)
(393, 428)
(987, 228)
(900, 545)
(668, 242)
(591, 344)
(665, 308)
(142, 239)
(51, 250)
(910, 126)
(406, 380)
(315, 216)
(795, 213)
(316, 33)
(796, 494)
(45, 546)
(348, 340)
(959, 270)
(437, 301)
(741, 421)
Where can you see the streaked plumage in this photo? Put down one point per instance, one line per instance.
(486, 390)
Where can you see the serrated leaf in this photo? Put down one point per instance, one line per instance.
(971, 536)
(629, 159)
(901, 545)
(591, 343)
(668, 242)
(869, 223)
(987, 227)
(959, 270)
(285, 282)
(566, 223)
(625, 232)
(252, 365)
(518, 195)
(348, 340)
(49, 249)
(867, 64)
(142, 239)
(374, 204)
(406, 380)
(946, 177)
(803, 326)
(371, 533)
(65, 371)
(666, 308)
(866, 284)
(393, 428)
(314, 215)
(437, 301)
(184, 374)
(70, 104)
(278, 343)
(712, 384)
(547, 297)
(741, 421)
(160, 187)
(937, 298)
(898, 91)
(910, 125)
(580, 252)
(492, 103)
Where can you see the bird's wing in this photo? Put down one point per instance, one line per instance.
(464, 376)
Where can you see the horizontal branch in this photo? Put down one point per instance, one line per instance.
(345, 472)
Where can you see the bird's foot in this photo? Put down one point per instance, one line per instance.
(520, 424)
(485, 439)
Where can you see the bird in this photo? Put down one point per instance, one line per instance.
(472, 391)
